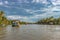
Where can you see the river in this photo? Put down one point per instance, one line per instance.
(30, 32)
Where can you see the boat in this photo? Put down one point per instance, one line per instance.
(15, 24)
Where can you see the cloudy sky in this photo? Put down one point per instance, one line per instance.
(30, 10)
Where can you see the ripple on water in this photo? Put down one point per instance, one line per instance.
(31, 32)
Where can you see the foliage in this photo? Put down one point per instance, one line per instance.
(3, 19)
(50, 20)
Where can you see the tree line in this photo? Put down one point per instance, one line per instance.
(51, 20)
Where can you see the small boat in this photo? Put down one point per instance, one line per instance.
(15, 24)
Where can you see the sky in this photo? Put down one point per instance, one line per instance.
(30, 10)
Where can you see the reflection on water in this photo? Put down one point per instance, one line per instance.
(30, 32)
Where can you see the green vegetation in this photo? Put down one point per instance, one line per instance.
(3, 19)
(50, 20)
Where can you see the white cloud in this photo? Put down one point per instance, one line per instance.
(13, 17)
(23, 1)
(7, 6)
(17, 17)
(56, 8)
(55, 2)
(31, 11)
(1, 3)
(21, 18)
(40, 1)
(6, 2)
(49, 12)
(37, 1)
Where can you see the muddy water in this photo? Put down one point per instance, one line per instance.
(30, 32)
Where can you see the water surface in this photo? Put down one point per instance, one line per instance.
(30, 32)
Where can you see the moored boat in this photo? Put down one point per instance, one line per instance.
(15, 24)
